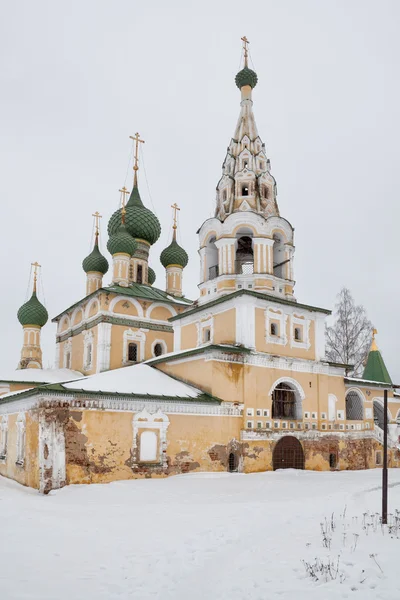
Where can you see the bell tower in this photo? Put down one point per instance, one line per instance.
(247, 245)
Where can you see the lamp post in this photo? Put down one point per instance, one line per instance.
(385, 470)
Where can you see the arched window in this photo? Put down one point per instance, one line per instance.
(232, 462)
(379, 414)
(284, 405)
(132, 352)
(148, 446)
(354, 406)
(245, 189)
(264, 190)
(279, 256)
(245, 255)
(158, 350)
(211, 259)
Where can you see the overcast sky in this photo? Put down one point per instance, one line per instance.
(77, 78)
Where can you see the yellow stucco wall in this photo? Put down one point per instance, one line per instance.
(28, 473)
(285, 350)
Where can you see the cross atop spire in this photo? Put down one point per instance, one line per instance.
(175, 208)
(97, 216)
(124, 192)
(245, 50)
(137, 140)
(35, 266)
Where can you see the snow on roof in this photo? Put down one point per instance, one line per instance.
(42, 375)
(135, 379)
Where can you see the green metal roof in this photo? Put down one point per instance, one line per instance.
(375, 369)
(249, 293)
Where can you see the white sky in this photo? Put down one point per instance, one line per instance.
(78, 78)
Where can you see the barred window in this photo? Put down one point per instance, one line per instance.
(354, 406)
(132, 352)
(283, 402)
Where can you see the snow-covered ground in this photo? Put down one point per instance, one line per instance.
(200, 536)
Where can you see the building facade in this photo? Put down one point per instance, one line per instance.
(148, 383)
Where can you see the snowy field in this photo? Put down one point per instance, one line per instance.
(202, 536)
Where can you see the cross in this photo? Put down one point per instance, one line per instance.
(374, 333)
(245, 49)
(136, 139)
(35, 266)
(97, 217)
(175, 208)
(124, 192)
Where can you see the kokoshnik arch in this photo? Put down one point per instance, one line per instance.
(148, 383)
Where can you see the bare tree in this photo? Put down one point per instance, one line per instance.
(349, 339)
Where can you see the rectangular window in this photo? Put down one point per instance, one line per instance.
(313, 415)
(148, 446)
(139, 274)
(259, 424)
(132, 352)
(267, 425)
(258, 412)
(250, 425)
(266, 412)
(378, 458)
(250, 412)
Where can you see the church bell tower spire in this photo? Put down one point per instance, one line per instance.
(246, 183)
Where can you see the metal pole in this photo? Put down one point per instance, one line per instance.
(384, 470)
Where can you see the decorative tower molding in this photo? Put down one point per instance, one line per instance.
(121, 246)
(174, 259)
(33, 316)
(95, 264)
(141, 224)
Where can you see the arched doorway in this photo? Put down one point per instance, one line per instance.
(232, 462)
(288, 454)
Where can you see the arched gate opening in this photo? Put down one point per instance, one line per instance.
(288, 454)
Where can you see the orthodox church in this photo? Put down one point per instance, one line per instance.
(148, 383)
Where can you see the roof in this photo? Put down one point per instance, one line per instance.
(368, 382)
(260, 295)
(40, 376)
(136, 381)
(375, 369)
(137, 290)
(231, 349)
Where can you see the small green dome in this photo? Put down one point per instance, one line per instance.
(33, 312)
(140, 222)
(174, 255)
(122, 242)
(246, 77)
(151, 276)
(95, 261)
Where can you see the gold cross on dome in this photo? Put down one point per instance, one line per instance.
(35, 266)
(97, 216)
(245, 49)
(124, 193)
(175, 208)
(374, 333)
(137, 140)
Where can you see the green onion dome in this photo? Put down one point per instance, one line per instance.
(174, 255)
(33, 312)
(140, 222)
(95, 261)
(121, 242)
(151, 276)
(246, 77)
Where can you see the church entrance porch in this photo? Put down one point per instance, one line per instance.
(288, 454)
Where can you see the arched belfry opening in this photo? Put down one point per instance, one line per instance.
(245, 255)
(212, 270)
(279, 256)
